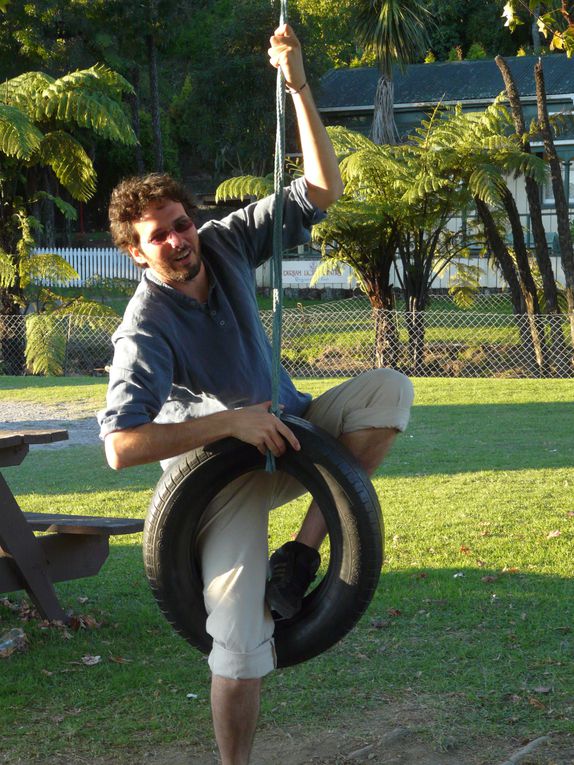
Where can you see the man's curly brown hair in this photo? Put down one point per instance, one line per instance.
(133, 195)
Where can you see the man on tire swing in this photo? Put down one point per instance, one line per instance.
(192, 365)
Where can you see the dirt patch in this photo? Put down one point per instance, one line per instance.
(77, 418)
(397, 734)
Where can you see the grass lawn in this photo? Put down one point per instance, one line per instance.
(473, 616)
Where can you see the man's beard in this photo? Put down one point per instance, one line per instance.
(188, 275)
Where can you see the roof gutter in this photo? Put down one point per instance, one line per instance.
(415, 106)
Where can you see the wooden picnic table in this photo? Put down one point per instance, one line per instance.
(76, 545)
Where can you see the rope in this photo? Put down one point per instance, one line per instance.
(277, 256)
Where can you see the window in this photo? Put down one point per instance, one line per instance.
(568, 178)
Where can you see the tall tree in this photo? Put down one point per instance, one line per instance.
(533, 196)
(397, 32)
(560, 200)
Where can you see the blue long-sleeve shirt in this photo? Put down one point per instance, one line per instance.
(177, 359)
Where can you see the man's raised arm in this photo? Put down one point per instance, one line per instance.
(319, 159)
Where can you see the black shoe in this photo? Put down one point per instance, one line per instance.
(292, 568)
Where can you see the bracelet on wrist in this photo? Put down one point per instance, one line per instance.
(290, 89)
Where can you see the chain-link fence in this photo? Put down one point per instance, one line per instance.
(334, 339)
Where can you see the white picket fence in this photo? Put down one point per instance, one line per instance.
(105, 263)
(110, 263)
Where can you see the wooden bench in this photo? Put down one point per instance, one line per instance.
(74, 547)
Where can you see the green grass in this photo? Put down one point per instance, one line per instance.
(472, 490)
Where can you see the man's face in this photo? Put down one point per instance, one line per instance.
(168, 243)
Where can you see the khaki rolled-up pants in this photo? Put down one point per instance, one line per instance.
(233, 537)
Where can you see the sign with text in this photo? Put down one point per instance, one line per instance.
(298, 273)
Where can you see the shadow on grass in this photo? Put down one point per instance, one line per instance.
(487, 654)
(440, 440)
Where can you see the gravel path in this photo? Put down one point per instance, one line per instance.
(77, 418)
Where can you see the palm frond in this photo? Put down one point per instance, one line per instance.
(486, 183)
(244, 186)
(424, 186)
(19, 137)
(95, 111)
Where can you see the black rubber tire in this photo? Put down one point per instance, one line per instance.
(349, 505)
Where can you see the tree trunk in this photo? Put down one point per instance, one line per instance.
(134, 101)
(384, 129)
(387, 344)
(526, 281)
(415, 316)
(48, 212)
(534, 31)
(561, 203)
(532, 193)
(155, 108)
(504, 261)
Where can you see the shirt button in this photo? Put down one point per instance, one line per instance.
(213, 313)
(221, 323)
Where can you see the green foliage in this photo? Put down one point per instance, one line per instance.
(554, 21)
(43, 122)
(7, 270)
(244, 186)
(45, 344)
(396, 30)
(476, 52)
(19, 137)
(464, 285)
(469, 23)
(71, 164)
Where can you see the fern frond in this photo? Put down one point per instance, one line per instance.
(8, 270)
(347, 141)
(82, 311)
(48, 266)
(19, 137)
(22, 91)
(95, 111)
(67, 210)
(486, 183)
(244, 186)
(70, 163)
(423, 186)
(45, 344)
(465, 284)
